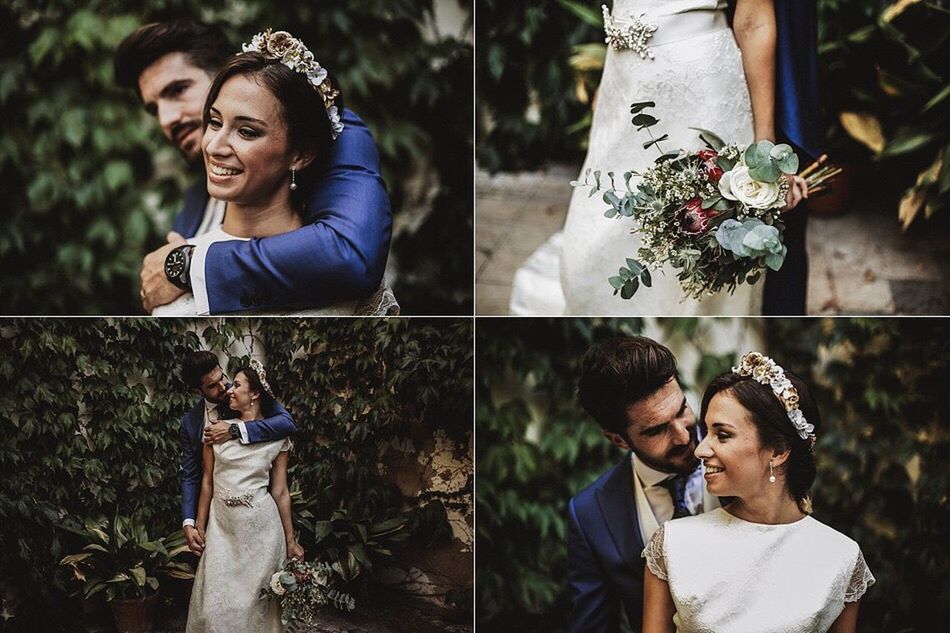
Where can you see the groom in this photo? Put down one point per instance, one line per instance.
(339, 254)
(629, 386)
(210, 421)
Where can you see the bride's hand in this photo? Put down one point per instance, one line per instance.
(797, 191)
(294, 550)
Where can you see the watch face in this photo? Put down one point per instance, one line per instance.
(175, 264)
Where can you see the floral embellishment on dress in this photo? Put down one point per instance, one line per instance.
(237, 500)
(633, 34)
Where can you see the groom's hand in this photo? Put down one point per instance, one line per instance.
(195, 539)
(217, 433)
(156, 289)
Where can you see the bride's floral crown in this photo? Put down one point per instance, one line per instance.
(258, 367)
(292, 53)
(764, 370)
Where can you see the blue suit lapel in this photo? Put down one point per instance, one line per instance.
(196, 422)
(619, 511)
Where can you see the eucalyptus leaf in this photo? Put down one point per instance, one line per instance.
(629, 288)
(643, 120)
(710, 138)
(641, 105)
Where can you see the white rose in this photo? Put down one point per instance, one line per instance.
(275, 585)
(738, 185)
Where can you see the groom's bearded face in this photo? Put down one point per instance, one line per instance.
(174, 91)
(214, 386)
(661, 430)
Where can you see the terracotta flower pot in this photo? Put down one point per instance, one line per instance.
(843, 190)
(136, 615)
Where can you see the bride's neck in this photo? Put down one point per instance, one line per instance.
(273, 217)
(251, 413)
(769, 508)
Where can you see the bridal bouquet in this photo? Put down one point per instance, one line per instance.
(302, 588)
(713, 214)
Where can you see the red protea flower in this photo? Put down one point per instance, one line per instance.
(694, 220)
(708, 159)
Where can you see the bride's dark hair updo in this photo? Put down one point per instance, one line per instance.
(254, 382)
(771, 420)
(302, 110)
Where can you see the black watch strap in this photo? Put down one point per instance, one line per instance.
(235, 431)
(178, 266)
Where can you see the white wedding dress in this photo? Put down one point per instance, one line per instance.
(731, 576)
(244, 544)
(696, 79)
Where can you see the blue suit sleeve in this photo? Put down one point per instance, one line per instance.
(190, 474)
(277, 426)
(339, 255)
(594, 608)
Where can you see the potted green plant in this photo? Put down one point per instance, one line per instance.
(883, 86)
(120, 560)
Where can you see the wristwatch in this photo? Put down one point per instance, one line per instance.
(178, 266)
(235, 431)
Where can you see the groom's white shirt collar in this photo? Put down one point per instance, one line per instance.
(654, 505)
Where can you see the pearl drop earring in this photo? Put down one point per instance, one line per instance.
(771, 474)
(293, 179)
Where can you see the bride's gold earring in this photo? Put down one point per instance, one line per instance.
(293, 179)
(771, 474)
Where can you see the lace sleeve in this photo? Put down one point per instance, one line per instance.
(654, 555)
(861, 579)
(380, 303)
(286, 446)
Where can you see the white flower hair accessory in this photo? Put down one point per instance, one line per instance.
(292, 53)
(764, 370)
(258, 367)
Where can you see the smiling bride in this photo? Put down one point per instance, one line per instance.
(270, 120)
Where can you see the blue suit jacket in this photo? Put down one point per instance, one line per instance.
(340, 254)
(604, 568)
(278, 425)
(797, 105)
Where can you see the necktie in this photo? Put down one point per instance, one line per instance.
(676, 486)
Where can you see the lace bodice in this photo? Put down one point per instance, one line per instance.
(241, 469)
(728, 575)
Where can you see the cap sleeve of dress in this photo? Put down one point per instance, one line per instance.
(654, 555)
(286, 446)
(861, 579)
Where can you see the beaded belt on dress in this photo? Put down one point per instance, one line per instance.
(640, 33)
(232, 499)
